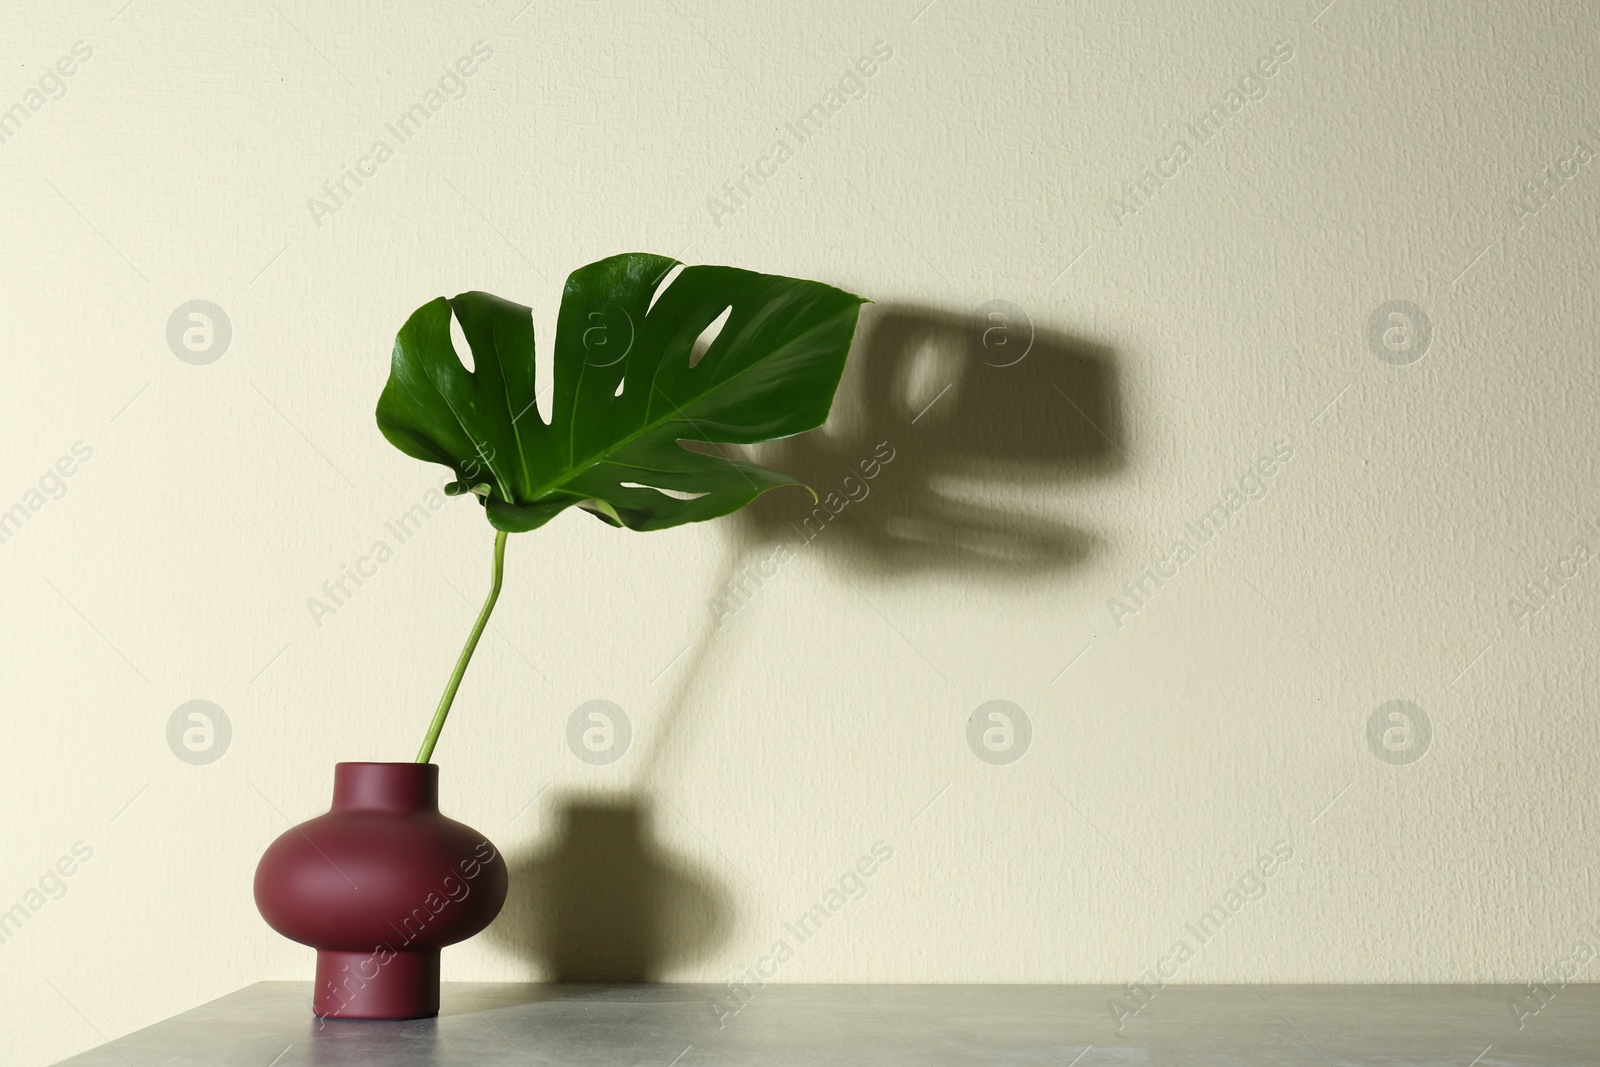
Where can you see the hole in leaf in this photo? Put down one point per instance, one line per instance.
(458, 340)
(673, 493)
(708, 335)
(544, 383)
(620, 384)
(666, 280)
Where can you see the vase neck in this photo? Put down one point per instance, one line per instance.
(389, 787)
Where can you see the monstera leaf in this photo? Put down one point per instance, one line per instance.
(628, 391)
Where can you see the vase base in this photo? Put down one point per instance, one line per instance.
(377, 985)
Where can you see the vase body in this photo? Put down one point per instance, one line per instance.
(378, 886)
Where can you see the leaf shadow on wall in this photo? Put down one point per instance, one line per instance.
(948, 434)
(952, 440)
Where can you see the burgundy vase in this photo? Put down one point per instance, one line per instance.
(378, 886)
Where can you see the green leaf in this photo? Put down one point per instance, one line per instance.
(626, 396)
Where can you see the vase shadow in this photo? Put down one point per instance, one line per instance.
(601, 901)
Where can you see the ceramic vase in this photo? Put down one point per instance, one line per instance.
(378, 885)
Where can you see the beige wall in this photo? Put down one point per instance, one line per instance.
(1176, 737)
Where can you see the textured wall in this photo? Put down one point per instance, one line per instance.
(1286, 414)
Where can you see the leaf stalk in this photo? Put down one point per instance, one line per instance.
(443, 712)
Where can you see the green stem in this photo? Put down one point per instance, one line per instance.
(466, 653)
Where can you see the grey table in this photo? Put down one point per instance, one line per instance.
(270, 1025)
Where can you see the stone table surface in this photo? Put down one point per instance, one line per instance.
(269, 1024)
